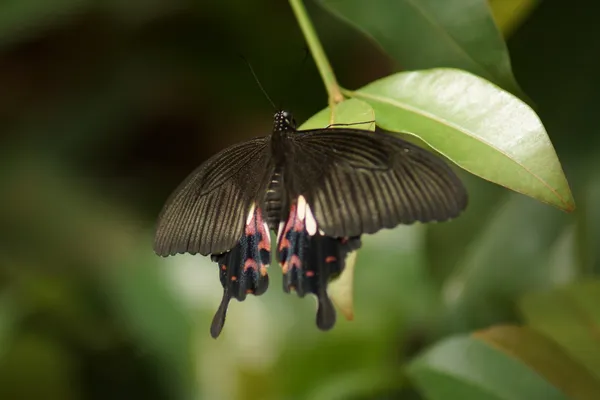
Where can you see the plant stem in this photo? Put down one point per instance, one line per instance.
(316, 49)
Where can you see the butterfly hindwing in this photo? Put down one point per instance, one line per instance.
(243, 269)
(310, 260)
(360, 182)
(207, 213)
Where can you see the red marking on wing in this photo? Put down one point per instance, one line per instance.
(251, 227)
(295, 261)
(298, 225)
(293, 224)
(330, 259)
(256, 227)
(310, 274)
(284, 243)
(290, 222)
(250, 263)
(264, 245)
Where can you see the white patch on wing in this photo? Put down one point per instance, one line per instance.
(267, 233)
(250, 214)
(280, 230)
(301, 208)
(310, 223)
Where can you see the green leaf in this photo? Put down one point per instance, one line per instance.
(467, 368)
(544, 356)
(571, 317)
(480, 127)
(510, 14)
(423, 34)
(347, 112)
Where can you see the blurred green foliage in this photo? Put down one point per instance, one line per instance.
(106, 106)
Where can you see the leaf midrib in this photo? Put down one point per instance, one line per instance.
(472, 135)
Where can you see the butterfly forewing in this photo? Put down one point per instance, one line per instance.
(206, 214)
(360, 182)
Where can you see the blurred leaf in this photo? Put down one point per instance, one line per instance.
(22, 19)
(8, 321)
(509, 14)
(545, 357)
(341, 290)
(467, 368)
(392, 282)
(571, 317)
(446, 243)
(311, 367)
(360, 384)
(142, 299)
(74, 226)
(563, 266)
(588, 225)
(87, 119)
(39, 367)
(480, 127)
(507, 259)
(347, 112)
(423, 34)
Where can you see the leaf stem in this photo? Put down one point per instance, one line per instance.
(316, 49)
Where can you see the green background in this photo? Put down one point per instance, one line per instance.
(106, 106)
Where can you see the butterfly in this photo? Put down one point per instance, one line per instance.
(319, 189)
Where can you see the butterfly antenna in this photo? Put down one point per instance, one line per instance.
(262, 89)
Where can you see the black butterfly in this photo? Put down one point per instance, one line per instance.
(319, 189)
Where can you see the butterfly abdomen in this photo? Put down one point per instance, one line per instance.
(274, 199)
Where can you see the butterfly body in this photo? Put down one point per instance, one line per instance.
(320, 190)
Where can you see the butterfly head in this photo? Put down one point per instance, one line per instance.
(284, 122)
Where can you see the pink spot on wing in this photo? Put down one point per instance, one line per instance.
(293, 224)
(284, 244)
(295, 261)
(264, 245)
(257, 228)
(250, 263)
(251, 228)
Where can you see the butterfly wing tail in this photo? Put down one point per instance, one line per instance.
(243, 269)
